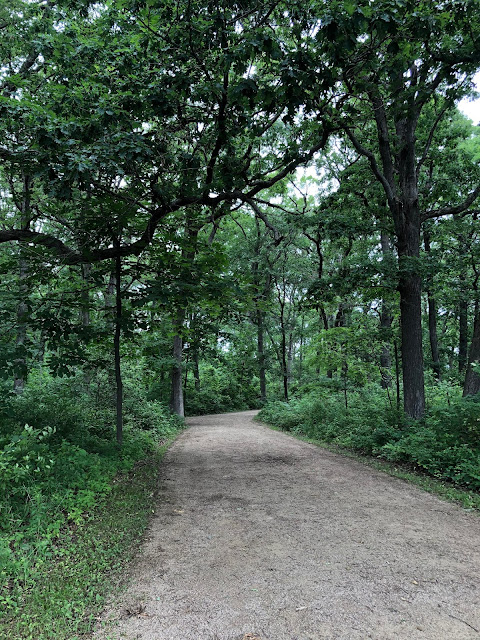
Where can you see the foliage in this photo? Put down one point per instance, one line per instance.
(222, 391)
(68, 584)
(57, 468)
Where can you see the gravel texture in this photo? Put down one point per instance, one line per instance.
(258, 536)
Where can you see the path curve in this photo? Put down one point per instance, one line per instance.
(259, 535)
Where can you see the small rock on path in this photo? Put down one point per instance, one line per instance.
(258, 536)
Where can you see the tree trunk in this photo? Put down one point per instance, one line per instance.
(386, 320)
(290, 358)
(300, 351)
(85, 295)
(261, 357)
(109, 302)
(397, 373)
(400, 182)
(432, 317)
(410, 288)
(284, 352)
(472, 379)
(432, 331)
(20, 363)
(176, 399)
(196, 370)
(118, 330)
(407, 220)
(463, 336)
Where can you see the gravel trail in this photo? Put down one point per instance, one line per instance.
(258, 536)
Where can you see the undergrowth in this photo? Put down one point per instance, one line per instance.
(68, 514)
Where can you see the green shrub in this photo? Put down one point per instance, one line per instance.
(221, 391)
(58, 458)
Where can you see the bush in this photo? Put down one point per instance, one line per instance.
(58, 459)
(221, 391)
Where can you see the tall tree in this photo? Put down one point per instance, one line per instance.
(393, 58)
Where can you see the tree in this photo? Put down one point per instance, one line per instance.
(393, 58)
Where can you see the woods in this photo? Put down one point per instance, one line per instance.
(209, 207)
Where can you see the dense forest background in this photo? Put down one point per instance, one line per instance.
(214, 206)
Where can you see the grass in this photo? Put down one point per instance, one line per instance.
(469, 500)
(86, 564)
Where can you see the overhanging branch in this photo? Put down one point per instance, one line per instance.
(451, 211)
(72, 256)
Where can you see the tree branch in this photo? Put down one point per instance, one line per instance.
(459, 208)
(430, 137)
(373, 164)
(259, 213)
(71, 256)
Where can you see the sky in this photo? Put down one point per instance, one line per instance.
(472, 108)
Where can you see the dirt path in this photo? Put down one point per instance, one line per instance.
(258, 535)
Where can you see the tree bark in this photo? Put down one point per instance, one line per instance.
(284, 352)
(410, 288)
(463, 336)
(196, 370)
(432, 332)
(118, 331)
(176, 399)
(262, 373)
(85, 295)
(386, 320)
(397, 373)
(432, 317)
(400, 182)
(407, 220)
(300, 352)
(20, 363)
(290, 358)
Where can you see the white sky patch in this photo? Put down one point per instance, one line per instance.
(471, 108)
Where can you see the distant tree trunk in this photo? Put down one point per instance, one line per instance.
(463, 336)
(176, 399)
(340, 317)
(472, 379)
(432, 316)
(109, 300)
(284, 351)
(432, 329)
(41, 347)
(290, 358)
(397, 373)
(386, 320)
(85, 296)
(188, 256)
(118, 331)
(20, 363)
(300, 352)
(196, 370)
(262, 287)
(261, 357)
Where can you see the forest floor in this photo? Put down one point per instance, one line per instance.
(257, 535)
